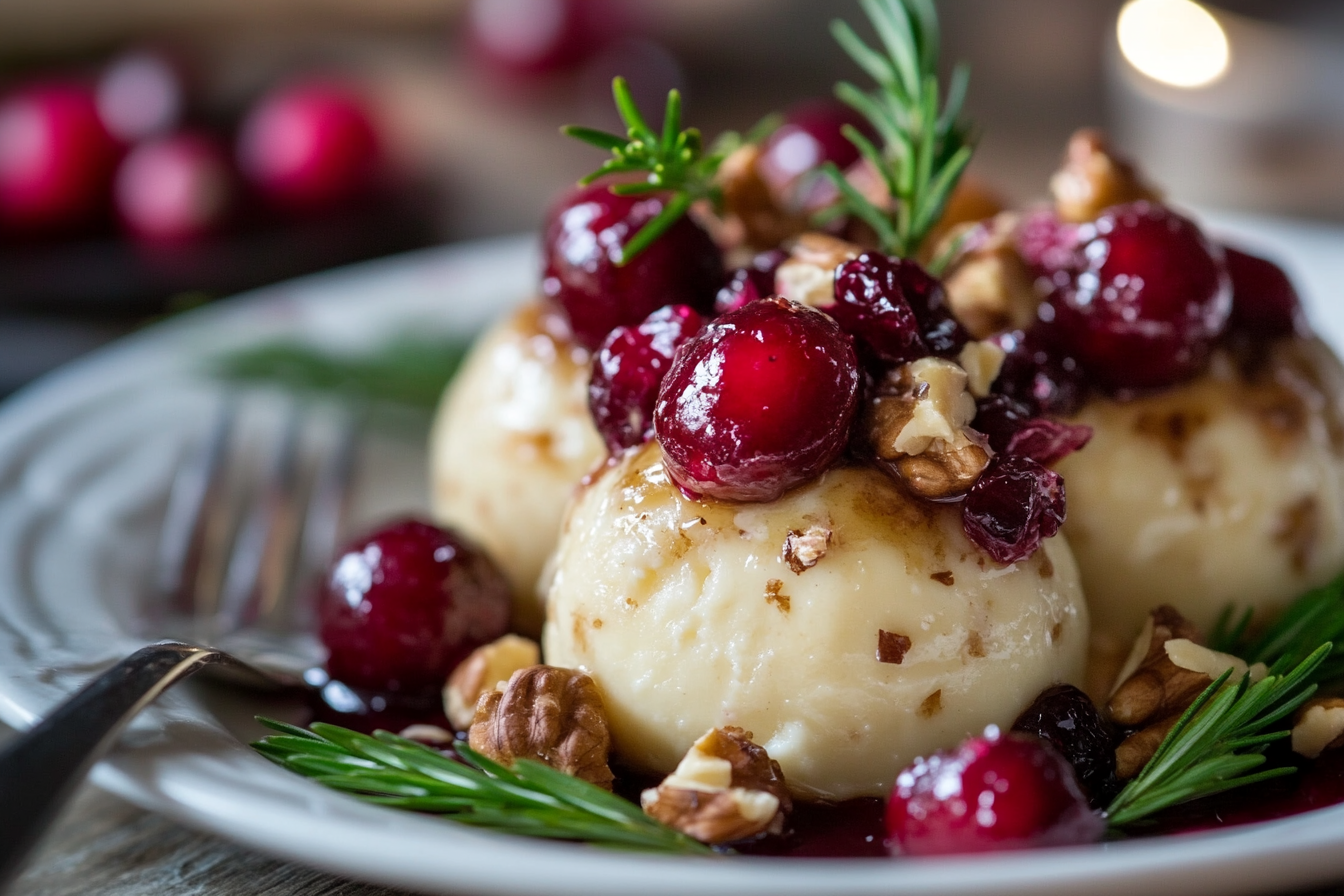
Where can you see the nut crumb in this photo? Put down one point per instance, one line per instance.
(773, 596)
(803, 549)
(975, 645)
(944, 578)
(891, 647)
(932, 705)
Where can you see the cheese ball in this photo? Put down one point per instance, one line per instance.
(1227, 490)
(511, 438)
(847, 625)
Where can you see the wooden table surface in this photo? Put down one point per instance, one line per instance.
(102, 845)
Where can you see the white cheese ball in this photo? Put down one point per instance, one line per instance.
(1225, 490)
(689, 615)
(511, 439)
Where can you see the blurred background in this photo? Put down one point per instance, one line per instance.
(158, 154)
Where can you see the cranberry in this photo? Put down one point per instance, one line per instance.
(1014, 505)
(1265, 304)
(894, 309)
(1151, 296)
(583, 244)
(810, 136)
(1048, 441)
(759, 402)
(174, 188)
(1037, 376)
(310, 146)
(404, 605)
(993, 792)
(628, 371)
(140, 95)
(756, 281)
(56, 158)
(1067, 719)
(999, 417)
(523, 38)
(1046, 243)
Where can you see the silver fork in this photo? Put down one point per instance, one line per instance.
(242, 531)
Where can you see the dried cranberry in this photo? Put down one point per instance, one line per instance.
(404, 605)
(759, 402)
(1046, 243)
(994, 792)
(999, 417)
(756, 281)
(1265, 304)
(1037, 376)
(1067, 719)
(895, 309)
(583, 246)
(1148, 302)
(1048, 441)
(628, 370)
(1014, 505)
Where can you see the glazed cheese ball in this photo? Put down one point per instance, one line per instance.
(848, 626)
(511, 439)
(1226, 490)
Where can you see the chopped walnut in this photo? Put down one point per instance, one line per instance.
(808, 274)
(1093, 178)
(982, 362)
(989, 287)
(891, 647)
(485, 669)
(725, 789)
(1319, 726)
(552, 715)
(753, 216)
(803, 549)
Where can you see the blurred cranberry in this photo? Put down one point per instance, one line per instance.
(1265, 303)
(755, 281)
(1014, 506)
(809, 137)
(894, 309)
(310, 145)
(56, 158)
(583, 244)
(1037, 376)
(1046, 243)
(530, 37)
(140, 95)
(404, 605)
(175, 187)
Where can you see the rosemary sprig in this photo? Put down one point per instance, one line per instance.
(529, 799)
(1311, 619)
(673, 161)
(925, 144)
(1218, 743)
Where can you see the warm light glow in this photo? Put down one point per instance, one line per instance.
(1177, 42)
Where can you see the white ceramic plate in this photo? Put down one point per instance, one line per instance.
(85, 461)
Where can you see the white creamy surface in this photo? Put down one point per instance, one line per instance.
(688, 617)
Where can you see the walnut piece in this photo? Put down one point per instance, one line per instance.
(804, 548)
(1093, 178)
(1319, 726)
(989, 287)
(552, 715)
(982, 362)
(485, 669)
(808, 274)
(725, 789)
(754, 215)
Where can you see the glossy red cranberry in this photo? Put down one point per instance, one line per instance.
(1014, 506)
(310, 146)
(628, 371)
(1046, 243)
(175, 187)
(523, 38)
(1036, 375)
(404, 605)
(761, 401)
(1146, 306)
(1048, 441)
(56, 158)
(755, 281)
(809, 137)
(1067, 719)
(140, 95)
(1265, 304)
(582, 246)
(999, 417)
(894, 309)
(994, 792)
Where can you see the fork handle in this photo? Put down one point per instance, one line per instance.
(39, 771)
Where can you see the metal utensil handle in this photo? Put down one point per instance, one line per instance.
(39, 771)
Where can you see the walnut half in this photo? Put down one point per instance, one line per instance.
(725, 789)
(484, 669)
(549, 714)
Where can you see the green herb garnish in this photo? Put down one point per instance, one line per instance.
(1218, 743)
(1313, 618)
(528, 799)
(925, 145)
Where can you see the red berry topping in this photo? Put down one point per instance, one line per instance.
(756, 281)
(523, 38)
(810, 136)
(403, 606)
(1014, 505)
(1037, 376)
(1068, 720)
(1150, 298)
(583, 244)
(628, 371)
(759, 402)
(56, 158)
(994, 792)
(999, 417)
(1047, 243)
(174, 187)
(310, 146)
(140, 95)
(894, 309)
(1048, 441)
(1265, 304)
